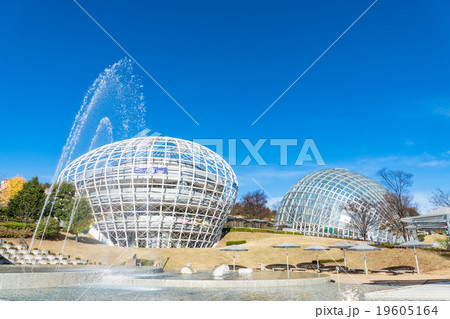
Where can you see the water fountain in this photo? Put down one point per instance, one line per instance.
(112, 109)
(105, 130)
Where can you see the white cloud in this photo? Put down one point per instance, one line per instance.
(435, 163)
(273, 202)
(422, 200)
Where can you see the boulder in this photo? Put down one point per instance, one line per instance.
(221, 270)
(187, 270)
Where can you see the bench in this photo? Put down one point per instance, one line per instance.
(297, 269)
(326, 270)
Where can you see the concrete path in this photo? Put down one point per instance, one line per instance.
(438, 291)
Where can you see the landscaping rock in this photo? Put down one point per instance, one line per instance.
(221, 270)
(187, 270)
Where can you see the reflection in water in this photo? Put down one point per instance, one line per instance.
(128, 293)
(350, 294)
(266, 275)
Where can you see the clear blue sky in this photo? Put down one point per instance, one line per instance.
(379, 98)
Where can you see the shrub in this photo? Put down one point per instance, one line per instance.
(235, 242)
(12, 225)
(225, 231)
(421, 237)
(444, 242)
(260, 230)
(85, 230)
(240, 229)
(146, 262)
(14, 233)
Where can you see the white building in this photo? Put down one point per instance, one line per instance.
(316, 204)
(153, 191)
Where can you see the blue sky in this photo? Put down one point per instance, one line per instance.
(378, 98)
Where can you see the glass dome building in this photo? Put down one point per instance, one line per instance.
(316, 204)
(155, 191)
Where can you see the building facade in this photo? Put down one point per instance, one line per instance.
(155, 192)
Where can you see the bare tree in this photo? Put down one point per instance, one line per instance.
(439, 198)
(253, 205)
(363, 216)
(397, 203)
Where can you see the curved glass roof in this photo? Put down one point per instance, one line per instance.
(320, 197)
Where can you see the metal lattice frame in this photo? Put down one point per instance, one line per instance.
(155, 191)
(316, 203)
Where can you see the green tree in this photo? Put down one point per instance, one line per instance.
(52, 230)
(444, 242)
(3, 214)
(82, 217)
(62, 204)
(28, 202)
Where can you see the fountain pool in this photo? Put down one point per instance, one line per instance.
(130, 284)
(329, 291)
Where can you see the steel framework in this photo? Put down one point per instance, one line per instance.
(316, 204)
(155, 191)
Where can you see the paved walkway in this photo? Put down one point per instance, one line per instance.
(438, 291)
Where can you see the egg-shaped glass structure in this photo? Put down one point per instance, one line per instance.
(317, 204)
(155, 191)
